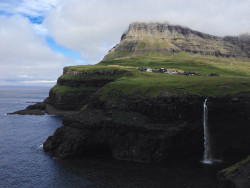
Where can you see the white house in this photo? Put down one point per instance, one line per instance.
(149, 70)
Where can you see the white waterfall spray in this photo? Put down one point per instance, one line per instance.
(207, 153)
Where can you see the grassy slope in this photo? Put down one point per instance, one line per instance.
(64, 89)
(234, 75)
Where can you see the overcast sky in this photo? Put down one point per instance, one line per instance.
(39, 37)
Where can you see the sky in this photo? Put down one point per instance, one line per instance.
(40, 37)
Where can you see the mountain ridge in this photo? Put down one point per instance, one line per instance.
(142, 38)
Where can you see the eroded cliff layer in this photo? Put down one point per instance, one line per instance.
(144, 38)
(153, 116)
(74, 88)
(153, 131)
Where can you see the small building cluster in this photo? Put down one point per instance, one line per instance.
(173, 71)
(159, 70)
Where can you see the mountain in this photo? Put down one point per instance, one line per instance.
(144, 38)
(115, 109)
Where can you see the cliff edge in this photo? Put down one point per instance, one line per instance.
(144, 38)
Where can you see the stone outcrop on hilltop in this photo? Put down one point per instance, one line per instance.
(142, 38)
(243, 41)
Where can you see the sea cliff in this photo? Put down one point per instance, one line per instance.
(144, 101)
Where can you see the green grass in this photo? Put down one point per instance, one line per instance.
(64, 89)
(234, 76)
(188, 62)
(155, 85)
(130, 118)
(87, 77)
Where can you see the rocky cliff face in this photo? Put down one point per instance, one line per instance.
(96, 132)
(235, 176)
(79, 86)
(242, 41)
(138, 127)
(142, 38)
(153, 131)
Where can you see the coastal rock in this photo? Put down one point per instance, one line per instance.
(38, 105)
(35, 109)
(94, 132)
(81, 85)
(235, 176)
(28, 112)
(148, 132)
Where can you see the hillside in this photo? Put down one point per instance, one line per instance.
(234, 75)
(155, 116)
(120, 110)
(116, 79)
(144, 38)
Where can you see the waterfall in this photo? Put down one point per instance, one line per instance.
(207, 153)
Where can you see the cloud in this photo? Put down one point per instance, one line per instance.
(38, 36)
(24, 57)
(93, 27)
(34, 8)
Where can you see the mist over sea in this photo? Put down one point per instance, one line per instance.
(23, 163)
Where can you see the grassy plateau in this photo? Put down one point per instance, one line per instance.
(234, 75)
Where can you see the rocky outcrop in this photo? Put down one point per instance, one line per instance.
(142, 38)
(243, 41)
(109, 72)
(229, 127)
(69, 100)
(94, 132)
(35, 109)
(235, 176)
(28, 112)
(171, 108)
(75, 90)
(154, 131)
(81, 85)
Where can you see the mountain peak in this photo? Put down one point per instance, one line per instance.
(142, 38)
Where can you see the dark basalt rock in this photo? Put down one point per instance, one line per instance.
(35, 109)
(156, 131)
(38, 105)
(91, 130)
(28, 112)
(86, 83)
(75, 100)
(229, 127)
(235, 176)
(170, 108)
(69, 101)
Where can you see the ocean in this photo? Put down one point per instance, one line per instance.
(23, 163)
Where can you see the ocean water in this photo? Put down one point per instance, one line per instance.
(23, 163)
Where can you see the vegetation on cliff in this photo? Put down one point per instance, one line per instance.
(153, 116)
(233, 169)
(157, 45)
(164, 38)
(234, 76)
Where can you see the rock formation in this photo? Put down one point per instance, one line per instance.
(235, 176)
(142, 128)
(142, 38)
